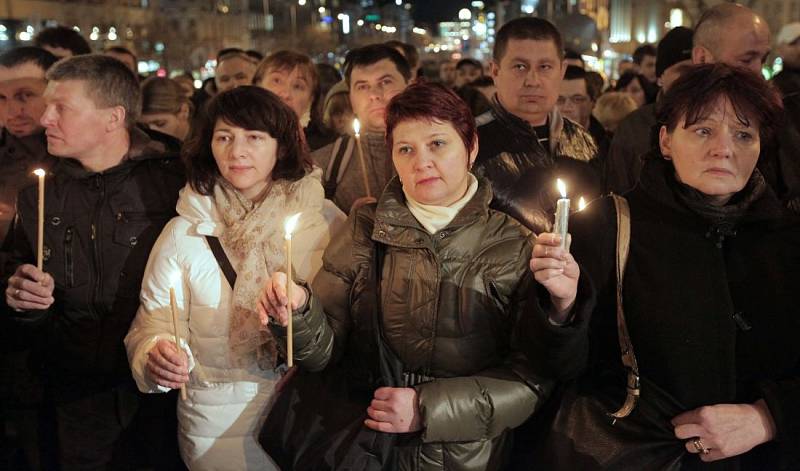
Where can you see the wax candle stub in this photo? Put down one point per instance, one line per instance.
(562, 213)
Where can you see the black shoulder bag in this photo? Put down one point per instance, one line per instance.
(316, 424)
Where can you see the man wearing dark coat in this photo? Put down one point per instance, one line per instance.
(525, 143)
(106, 201)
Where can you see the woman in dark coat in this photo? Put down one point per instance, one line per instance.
(709, 297)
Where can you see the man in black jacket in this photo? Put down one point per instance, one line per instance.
(106, 202)
(525, 143)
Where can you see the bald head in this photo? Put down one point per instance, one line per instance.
(732, 34)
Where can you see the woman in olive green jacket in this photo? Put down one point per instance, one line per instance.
(455, 290)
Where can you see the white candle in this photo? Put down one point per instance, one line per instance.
(288, 226)
(40, 223)
(360, 150)
(562, 213)
(173, 305)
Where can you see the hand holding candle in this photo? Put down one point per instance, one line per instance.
(289, 226)
(562, 213)
(360, 150)
(40, 222)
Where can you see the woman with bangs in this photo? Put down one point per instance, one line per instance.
(248, 169)
(708, 299)
(294, 78)
(454, 289)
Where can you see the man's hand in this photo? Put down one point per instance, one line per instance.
(30, 289)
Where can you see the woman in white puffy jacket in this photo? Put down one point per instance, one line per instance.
(247, 170)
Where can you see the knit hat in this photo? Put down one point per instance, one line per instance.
(788, 33)
(674, 47)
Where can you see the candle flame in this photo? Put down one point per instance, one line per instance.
(357, 127)
(581, 204)
(289, 224)
(562, 187)
(39, 172)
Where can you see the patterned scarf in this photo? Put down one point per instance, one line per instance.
(254, 234)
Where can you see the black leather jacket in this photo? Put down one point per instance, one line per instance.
(99, 229)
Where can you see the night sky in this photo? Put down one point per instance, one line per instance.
(434, 11)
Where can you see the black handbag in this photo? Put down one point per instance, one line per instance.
(591, 431)
(317, 421)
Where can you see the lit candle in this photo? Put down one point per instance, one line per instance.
(360, 150)
(40, 228)
(581, 204)
(288, 226)
(562, 213)
(173, 305)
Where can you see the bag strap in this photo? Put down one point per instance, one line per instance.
(390, 365)
(625, 345)
(222, 259)
(335, 166)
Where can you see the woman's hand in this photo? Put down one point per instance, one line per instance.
(556, 270)
(394, 410)
(273, 301)
(725, 430)
(167, 366)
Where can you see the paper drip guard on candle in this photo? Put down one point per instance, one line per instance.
(561, 226)
(39, 172)
(288, 226)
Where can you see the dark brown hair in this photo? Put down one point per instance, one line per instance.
(694, 95)
(372, 54)
(527, 27)
(431, 101)
(251, 108)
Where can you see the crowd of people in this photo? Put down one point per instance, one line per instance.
(159, 310)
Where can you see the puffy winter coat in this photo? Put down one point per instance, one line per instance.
(451, 304)
(218, 422)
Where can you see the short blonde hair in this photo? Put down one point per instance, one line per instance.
(612, 107)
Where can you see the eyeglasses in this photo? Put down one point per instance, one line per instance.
(574, 99)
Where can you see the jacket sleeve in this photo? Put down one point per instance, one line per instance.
(484, 405)
(564, 352)
(781, 398)
(153, 320)
(321, 330)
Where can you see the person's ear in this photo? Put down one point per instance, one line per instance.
(116, 118)
(473, 153)
(665, 142)
(494, 69)
(701, 55)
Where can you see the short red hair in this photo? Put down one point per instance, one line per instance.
(431, 102)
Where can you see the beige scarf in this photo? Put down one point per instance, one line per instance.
(254, 235)
(435, 218)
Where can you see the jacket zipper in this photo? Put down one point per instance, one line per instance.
(98, 266)
(68, 269)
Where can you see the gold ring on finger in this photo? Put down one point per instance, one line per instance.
(698, 445)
